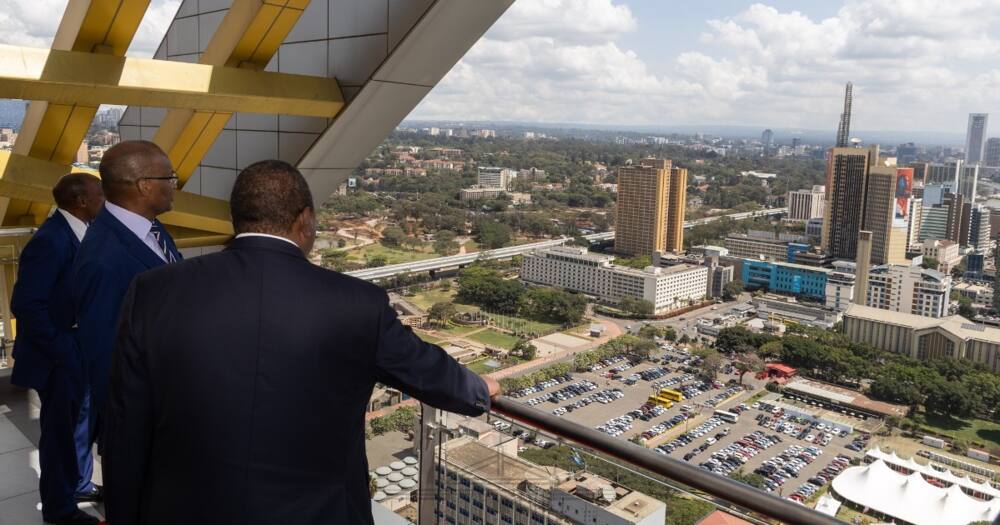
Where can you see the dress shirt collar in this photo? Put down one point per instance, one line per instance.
(79, 227)
(254, 234)
(136, 223)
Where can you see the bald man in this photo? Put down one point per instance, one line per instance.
(46, 354)
(124, 240)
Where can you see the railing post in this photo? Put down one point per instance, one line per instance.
(427, 492)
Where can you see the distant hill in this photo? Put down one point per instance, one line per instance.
(12, 113)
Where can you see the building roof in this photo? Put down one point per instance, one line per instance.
(911, 498)
(784, 369)
(498, 468)
(945, 475)
(955, 325)
(845, 396)
(721, 518)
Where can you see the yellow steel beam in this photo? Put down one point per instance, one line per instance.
(70, 77)
(248, 38)
(32, 179)
(52, 131)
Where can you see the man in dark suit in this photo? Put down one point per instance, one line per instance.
(124, 240)
(45, 352)
(241, 378)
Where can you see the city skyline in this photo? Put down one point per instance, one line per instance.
(776, 64)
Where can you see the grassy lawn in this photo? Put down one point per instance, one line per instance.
(392, 255)
(971, 430)
(495, 339)
(522, 325)
(427, 298)
(429, 338)
(455, 329)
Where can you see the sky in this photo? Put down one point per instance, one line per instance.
(919, 65)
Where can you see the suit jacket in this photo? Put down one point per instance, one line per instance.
(109, 257)
(42, 304)
(240, 385)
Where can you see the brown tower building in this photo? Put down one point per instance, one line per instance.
(676, 204)
(846, 177)
(651, 201)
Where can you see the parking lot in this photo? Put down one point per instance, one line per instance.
(796, 456)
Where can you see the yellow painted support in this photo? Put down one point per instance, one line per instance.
(69, 77)
(32, 180)
(52, 131)
(248, 38)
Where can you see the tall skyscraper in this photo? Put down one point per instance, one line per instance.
(651, 201)
(676, 205)
(883, 214)
(968, 179)
(847, 175)
(767, 139)
(992, 156)
(906, 153)
(844, 130)
(975, 138)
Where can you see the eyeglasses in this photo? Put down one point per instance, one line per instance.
(173, 179)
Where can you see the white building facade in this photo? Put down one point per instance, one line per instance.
(806, 204)
(594, 274)
(492, 177)
(909, 289)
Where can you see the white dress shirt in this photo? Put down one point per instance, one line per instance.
(254, 234)
(138, 225)
(79, 227)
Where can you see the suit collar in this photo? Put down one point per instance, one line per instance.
(256, 242)
(61, 222)
(135, 246)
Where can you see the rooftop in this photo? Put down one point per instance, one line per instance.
(845, 396)
(956, 325)
(505, 471)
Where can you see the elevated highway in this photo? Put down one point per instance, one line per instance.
(456, 261)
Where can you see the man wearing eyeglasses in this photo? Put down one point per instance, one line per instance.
(124, 240)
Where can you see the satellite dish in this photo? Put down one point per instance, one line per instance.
(855, 141)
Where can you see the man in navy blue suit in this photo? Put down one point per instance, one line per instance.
(124, 240)
(240, 378)
(45, 352)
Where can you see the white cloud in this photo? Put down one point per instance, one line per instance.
(916, 64)
(34, 23)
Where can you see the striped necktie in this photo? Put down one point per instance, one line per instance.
(161, 240)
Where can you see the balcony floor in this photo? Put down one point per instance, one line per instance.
(19, 500)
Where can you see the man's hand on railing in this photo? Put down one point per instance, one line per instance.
(493, 386)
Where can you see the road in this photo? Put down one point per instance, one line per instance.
(683, 324)
(453, 261)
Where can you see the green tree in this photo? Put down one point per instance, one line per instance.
(440, 313)
(393, 236)
(748, 363)
(524, 349)
(639, 262)
(711, 362)
(486, 287)
(930, 263)
(492, 235)
(552, 305)
(732, 290)
(444, 243)
(375, 261)
(637, 307)
(650, 331)
(965, 308)
(670, 334)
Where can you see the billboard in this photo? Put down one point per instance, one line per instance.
(904, 192)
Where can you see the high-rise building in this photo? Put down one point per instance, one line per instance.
(979, 227)
(888, 226)
(492, 177)
(767, 139)
(844, 129)
(939, 174)
(968, 179)
(914, 222)
(847, 176)
(908, 289)
(651, 201)
(991, 157)
(975, 138)
(806, 204)
(676, 205)
(906, 153)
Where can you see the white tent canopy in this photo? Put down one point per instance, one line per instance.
(944, 475)
(910, 498)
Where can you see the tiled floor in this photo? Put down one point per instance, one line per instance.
(19, 501)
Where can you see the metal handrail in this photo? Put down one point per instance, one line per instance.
(740, 494)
